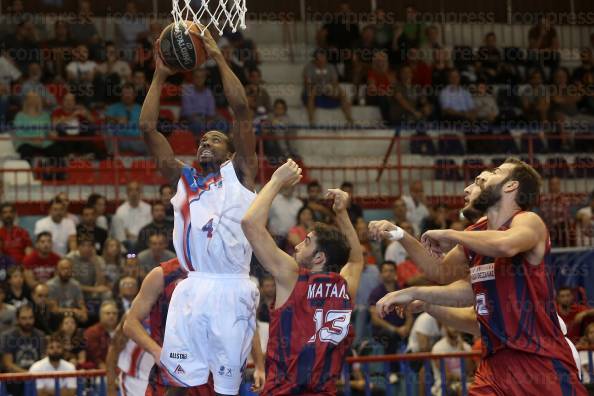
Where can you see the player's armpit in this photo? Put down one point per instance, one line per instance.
(279, 264)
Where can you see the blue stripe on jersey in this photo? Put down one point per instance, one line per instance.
(496, 318)
(188, 174)
(284, 345)
(563, 377)
(527, 320)
(305, 366)
(188, 253)
(325, 374)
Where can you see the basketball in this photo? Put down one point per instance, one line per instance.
(181, 51)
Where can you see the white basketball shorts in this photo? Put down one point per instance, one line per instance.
(132, 386)
(210, 326)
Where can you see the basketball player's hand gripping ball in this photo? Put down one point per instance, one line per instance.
(211, 47)
(287, 175)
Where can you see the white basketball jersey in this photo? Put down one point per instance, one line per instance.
(207, 233)
(135, 361)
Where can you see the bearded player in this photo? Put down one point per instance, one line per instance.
(152, 303)
(310, 329)
(511, 288)
(211, 320)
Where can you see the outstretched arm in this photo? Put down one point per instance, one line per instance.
(281, 266)
(523, 236)
(457, 294)
(440, 269)
(157, 144)
(149, 293)
(462, 319)
(351, 272)
(244, 139)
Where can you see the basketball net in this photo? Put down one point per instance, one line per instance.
(217, 13)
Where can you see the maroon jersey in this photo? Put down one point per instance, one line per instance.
(172, 275)
(515, 304)
(309, 337)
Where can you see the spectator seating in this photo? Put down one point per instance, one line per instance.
(18, 173)
(183, 142)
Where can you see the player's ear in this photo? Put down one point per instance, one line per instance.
(511, 186)
(319, 258)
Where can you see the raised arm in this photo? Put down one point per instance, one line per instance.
(281, 266)
(440, 269)
(526, 232)
(244, 139)
(157, 144)
(149, 293)
(351, 272)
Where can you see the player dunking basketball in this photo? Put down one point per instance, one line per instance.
(152, 303)
(507, 252)
(211, 319)
(310, 329)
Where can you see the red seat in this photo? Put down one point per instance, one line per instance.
(146, 171)
(183, 143)
(107, 172)
(81, 172)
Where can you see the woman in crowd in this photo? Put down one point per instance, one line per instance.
(99, 203)
(17, 291)
(298, 232)
(112, 255)
(73, 341)
(32, 122)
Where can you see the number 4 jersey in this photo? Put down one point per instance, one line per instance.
(309, 337)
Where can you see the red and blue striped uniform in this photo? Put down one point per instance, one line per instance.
(524, 348)
(309, 337)
(173, 273)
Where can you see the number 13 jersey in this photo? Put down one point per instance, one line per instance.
(309, 337)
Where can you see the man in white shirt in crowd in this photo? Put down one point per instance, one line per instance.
(131, 216)
(416, 210)
(451, 342)
(62, 229)
(54, 362)
(283, 214)
(395, 252)
(423, 334)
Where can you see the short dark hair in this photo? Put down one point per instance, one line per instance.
(303, 209)
(54, 201)
(280, 101)
(346, 184)
(87, 207)
(334, 245)
(43, 234)
(84, 238)
(560, 289)
(163, 187)
(93, 198)
(387, 262)
(23, 308)
(128, 86)
(54, 338)
(6, 205)
(313, 183)
(530, 182)
(157, 203)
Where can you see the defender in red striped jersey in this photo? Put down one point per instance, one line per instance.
(153, 302)
(310, 329)
(511, 287)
